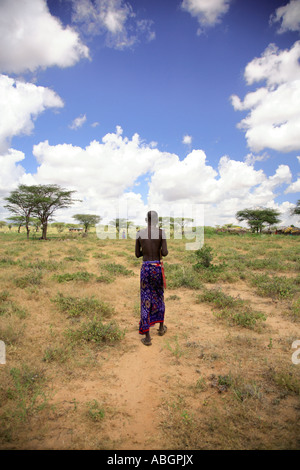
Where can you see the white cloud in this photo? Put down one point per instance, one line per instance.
(289, 16)
(114, 18)
(20, 105)
(31, 37)
(192, 180)
(207, 12)
(106, 169)
(78, 122)
(295, 186)
(105, 175)
(250, 158)
(187, 139)
(273, 120)
(274, 66)
(11, 170)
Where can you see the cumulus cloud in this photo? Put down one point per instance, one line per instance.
(187, 139)
(295, 186)
(113, 18)
(289, 17)
(106, 175)
(273, 120)
(207, 12)
(21, 103)
(31, 38)
(103, 173)
(11, 171)
(78, 122)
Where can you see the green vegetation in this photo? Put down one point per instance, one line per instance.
(25, 390)
(117, 269)
(274, 286)
(71, 365)
(95, 412)
(83, 276)
(179, 275)
(234, 310)
(33, 278)
(95, 331)
(86, 306)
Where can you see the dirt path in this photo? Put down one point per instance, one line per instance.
(137, 391)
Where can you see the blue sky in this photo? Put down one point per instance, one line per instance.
(141, 101)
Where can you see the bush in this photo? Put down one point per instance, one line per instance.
(96, 332)
(279, 287)
(75, 306)
(78, 276)
(34, 278)
(204, 256)
(178, 275)
(117, 269)
(235, 310)
(95, 411)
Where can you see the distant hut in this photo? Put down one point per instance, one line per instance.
(292, 230)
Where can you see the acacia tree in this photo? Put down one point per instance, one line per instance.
(182, 222)
(59, 226)
(118, 223)
(257, 217)
(17, 221)
(40, 201)
(21, 203)
(87, 220)
(48, 199)
(296, 210)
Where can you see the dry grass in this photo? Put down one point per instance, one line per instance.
(77, 376)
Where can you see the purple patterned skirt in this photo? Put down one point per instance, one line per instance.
(152, 296)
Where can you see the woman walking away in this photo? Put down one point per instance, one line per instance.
(151, 244)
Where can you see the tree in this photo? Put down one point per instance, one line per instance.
(59, 226)
(87, 220)
(48, 199)
(182, 222)
(296, 210)
(257, 217)
(36, 223)
(21, 203)
(40, 201)
(18, 221)
(119, 223)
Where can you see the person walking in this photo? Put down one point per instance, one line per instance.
(151, 244)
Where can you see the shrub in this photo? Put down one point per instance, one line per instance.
(95, 411)
(78, 276)
(178, 275)
(275, 286)
(96, 331)
(204, 256)
(235, 310)
(34, 278)
(75, 306)
(117, 269)
(26, 391)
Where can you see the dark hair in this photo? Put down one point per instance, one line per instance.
(152, 217)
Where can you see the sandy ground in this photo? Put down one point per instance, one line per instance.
(139, 386)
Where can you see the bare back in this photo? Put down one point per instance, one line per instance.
(151, 244)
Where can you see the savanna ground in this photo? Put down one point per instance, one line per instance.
(78, 377)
